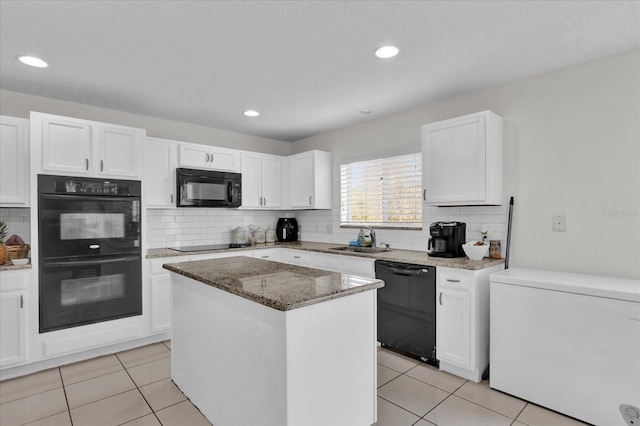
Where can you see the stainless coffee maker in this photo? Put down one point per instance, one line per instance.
(446, 239)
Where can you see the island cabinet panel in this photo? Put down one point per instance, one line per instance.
(243, 363)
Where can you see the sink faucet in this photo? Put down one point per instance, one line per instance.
(373, 236)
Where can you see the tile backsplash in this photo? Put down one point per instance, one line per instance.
(324, 226)
(202, 226)
(18, 222)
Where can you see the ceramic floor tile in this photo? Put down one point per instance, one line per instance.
(151, 372)
(517, 424)
(440, 379)
(29, 385)
(456, 411)
(482, 394)
(386, 374)
(392, 415)
(143, 355)
(148, 420)
(162, 394)
(534, 415)
(34, 407)
(396, 361)
(412, 394)
(115, 410)
(61, 419)
(84, 370)
(167, 343)
(184, 413)
(423, 422)
(92, 390)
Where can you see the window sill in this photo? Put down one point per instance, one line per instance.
(390, 227)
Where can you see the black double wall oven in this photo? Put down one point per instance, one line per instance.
(89, 250)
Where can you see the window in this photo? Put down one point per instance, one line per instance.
(383, 192)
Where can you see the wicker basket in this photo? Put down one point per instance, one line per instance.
(19, 251)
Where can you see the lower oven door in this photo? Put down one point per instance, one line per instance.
(83, 291)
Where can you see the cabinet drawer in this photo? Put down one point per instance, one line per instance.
(298, 257)
(454, 279)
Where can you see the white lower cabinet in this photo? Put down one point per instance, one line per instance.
(272, 254)
(462, 320)
(12, 328)
(297, 257)
(330, 262)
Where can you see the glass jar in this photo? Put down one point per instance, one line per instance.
(494, 249)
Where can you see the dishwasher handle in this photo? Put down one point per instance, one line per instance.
(407, 272)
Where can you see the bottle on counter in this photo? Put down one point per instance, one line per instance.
(494, 249)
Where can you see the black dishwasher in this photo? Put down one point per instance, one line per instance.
(407, 309)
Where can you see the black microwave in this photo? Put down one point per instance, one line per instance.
(207, 188)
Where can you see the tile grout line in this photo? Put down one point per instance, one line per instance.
(141, 394)
(64, 390)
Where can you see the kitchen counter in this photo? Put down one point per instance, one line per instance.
(276, 285)
(261, 342)
(394, 255)
(11, 267)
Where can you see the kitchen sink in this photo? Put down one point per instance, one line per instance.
(361, 249)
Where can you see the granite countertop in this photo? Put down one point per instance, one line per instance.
(394, 255)
(11, 267)
(273, 284)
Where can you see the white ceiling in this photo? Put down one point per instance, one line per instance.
(307, 66)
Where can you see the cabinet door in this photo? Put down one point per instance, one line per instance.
(358, 266)
(301, 176)
(453, 337)
(453, 160)
(14, 161)
(118, 151)
(251, 180)
(271, 181)
(66, 145)
(159, 173)
(328, 262)
(194, 155)
(12, 328)
(223, 159)
(160, 303)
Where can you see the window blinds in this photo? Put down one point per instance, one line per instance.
(384, 192)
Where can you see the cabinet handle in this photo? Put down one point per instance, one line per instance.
(86, 164)
(424, 195)
(310, 199)
(102, 165)
(265, 202)
(212, 158)
(206, 157)
(260, 200)
(296, 257)
(171, 198)
(452, 281)
(264, 257)
(440, 298)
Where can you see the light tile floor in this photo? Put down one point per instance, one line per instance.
(134, 388)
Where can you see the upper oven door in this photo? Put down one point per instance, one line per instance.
(81, 224)
(201, 188)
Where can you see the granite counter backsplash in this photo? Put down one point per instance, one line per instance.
(273, 284)
(406, 256)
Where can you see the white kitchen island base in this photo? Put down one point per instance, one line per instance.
(243, 363)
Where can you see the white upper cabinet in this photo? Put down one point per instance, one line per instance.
(159, 175)
(14, 162)
(310, 180)
(261, 180)
(209, 157)
(462, 160)
(80, 147)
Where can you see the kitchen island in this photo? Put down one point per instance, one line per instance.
(257, 342)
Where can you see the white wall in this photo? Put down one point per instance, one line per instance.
(19, 105)
(571, 146)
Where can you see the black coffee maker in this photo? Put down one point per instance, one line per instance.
(446, 239)
(287, 229)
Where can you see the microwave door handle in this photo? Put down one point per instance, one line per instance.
(229, 191)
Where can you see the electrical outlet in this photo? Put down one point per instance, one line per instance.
(559, 223)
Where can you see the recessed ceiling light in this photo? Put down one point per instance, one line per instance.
(33, 61)
(366, 111)
(386, 52)
(251, 113)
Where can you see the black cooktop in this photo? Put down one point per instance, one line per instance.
(202, 248)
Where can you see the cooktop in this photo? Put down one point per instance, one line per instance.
(202, 248)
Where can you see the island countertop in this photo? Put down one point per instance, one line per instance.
(276, 285)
